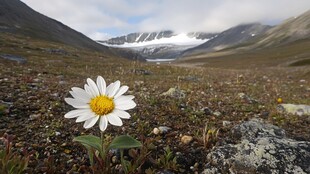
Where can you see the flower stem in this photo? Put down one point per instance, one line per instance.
(102, 141)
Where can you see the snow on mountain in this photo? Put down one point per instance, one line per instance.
(181, 39)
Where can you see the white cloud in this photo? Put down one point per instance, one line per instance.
(99, 36)
(94, 16)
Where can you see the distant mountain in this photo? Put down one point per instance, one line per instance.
(150, 36)
(17, 17)
(291, 30)
(158, 45)
(287, 44)
(228, 38)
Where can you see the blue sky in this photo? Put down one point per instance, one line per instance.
(102, 19)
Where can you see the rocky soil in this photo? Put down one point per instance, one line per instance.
(203, 115)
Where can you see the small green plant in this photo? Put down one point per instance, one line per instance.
(99, 150)
(138, 158)
(2, 109)
(168, 160)
(11, 162)
(210, 135)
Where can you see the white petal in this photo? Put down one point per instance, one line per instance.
(114, 88)
(93, 87)
(76, 103)
(76, 113)
(121, 113)
(125, 105)
(78, 97)
(101, 85)
(109, 88)
(103, 124)
(114, 120)
(121, 91)
(123, 99)
(81, 93)
(90, 122)
(89, 91)
(85, 116)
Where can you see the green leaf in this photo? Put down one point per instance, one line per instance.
(124, 142)
(89, 141)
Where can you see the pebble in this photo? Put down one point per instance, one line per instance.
(226, 123)
(186, 139)
(217, 113)
(34, 116)
(156, 131)
(114, 159)
(161, 130)
(207, 110)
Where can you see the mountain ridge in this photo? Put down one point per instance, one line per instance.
(230, 37)
(139, 37)
(17, 17)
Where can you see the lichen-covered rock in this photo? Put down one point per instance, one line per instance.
(262, 148)
(174, 92)
(294, 109)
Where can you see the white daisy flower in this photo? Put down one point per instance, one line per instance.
(98, 102)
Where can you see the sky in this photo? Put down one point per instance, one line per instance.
(103, 19)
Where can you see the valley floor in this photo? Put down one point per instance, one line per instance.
(32, 106)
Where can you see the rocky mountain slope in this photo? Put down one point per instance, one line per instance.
(233, 36)
(287, 44)
(17, 18)
(291, 30)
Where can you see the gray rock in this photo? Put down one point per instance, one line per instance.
(217, 113)
(226, 123)
(34, 116)
(189, 78)
(16, 58)
(174, 92)
(294, 109)
(142, 72)
(161, 130)
(246, 98)
(164, 129)
(262, 148)
(207, 110)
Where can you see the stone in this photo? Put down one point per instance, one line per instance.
(174, 92)
(18, 59)
(294, 109)
(261, 148)
(57, 133)
(188, 78)
(207, 110)
(186, 139)
(246, 98)
(156, 131)
(217, 113)
(34, 116)
(226, 123)
(161, 130)
(142, 72)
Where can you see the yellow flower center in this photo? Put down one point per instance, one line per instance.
(102, 105)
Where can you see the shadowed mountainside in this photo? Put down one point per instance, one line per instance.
(17, 18)
(287, 44)
(291, 30)
(231, 37)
